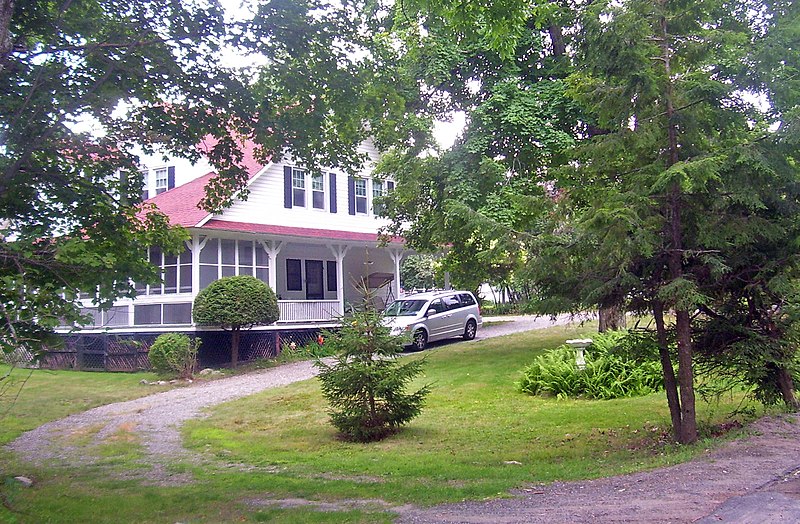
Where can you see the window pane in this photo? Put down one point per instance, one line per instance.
(147, 314)
(155, 256)
(262, 274)
(316, 183)
(228, 251)
(117, 316)
(262, 258)
(96, 319)
(319, 200)
(245, 253)
(208, 274)
(228, 271)
(170, 260)
(171, 279)
(298, 179)
(331, 270)
(186, 257)
(246, 270)
(155, 289)
(299, 197)
(178, 313)
(361, 204)
(294, 280)
(377, 188)
(361, 187)
(466, 299)
(186, 279)
(209, 253)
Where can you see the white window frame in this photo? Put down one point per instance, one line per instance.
(379, 189)
(360, 184)
(161, 183)
(317, 184)
(299, 183)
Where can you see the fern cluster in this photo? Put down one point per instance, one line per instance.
(608, 374)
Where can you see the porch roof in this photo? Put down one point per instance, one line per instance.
(299, 232)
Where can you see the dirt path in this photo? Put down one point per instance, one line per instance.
(754, 480)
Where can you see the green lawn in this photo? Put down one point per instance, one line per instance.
(29, 398)
(476, 438)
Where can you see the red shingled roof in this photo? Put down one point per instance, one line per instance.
(180, 203)
(248, 162)
(294, 231)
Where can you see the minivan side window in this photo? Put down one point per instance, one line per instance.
(466, 299)
(451, 302)
(436, 306)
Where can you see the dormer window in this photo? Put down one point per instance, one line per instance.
(162, 180)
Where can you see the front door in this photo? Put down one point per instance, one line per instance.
(314, 289)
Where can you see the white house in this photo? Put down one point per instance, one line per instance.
(310, 237)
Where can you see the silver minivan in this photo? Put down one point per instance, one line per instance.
(434, 315)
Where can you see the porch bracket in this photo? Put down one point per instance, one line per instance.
(339, 251)
(273, 248)
(397, 257)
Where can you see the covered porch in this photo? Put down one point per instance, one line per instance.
(316, 278)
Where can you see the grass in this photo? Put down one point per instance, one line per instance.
(476, 438)
(29, 398)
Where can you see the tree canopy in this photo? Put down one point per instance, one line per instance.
(617, 155)
(154, 76)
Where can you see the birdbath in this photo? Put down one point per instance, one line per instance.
(579, 344)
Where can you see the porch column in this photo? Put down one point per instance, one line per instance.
(339, 252)
(272, 247)
(196, 246)
(397, 257)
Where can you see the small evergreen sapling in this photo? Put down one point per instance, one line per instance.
(365, 384)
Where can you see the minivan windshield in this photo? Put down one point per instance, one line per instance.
(404, 308)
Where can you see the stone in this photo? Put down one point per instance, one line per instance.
(24, 481)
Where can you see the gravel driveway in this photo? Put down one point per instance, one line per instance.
(157, 418)
(747, 481)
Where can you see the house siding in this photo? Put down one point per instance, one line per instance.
(267, 201)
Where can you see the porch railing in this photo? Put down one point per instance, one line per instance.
(308, 310)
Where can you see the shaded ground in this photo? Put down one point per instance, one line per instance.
(754, 480)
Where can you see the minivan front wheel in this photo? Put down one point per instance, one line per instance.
(420, 339)
(470, 330)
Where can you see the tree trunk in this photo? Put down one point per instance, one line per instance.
(611, 318)
(670, 384)
(786, 385)
(6, 43)
(235, 347)
(688, 430)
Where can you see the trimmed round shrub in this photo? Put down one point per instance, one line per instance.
(236, 303)
(174, 354)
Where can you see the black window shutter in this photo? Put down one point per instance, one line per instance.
(170, 177)
(287, 187)
(390, 185)
(351, 195)
(333, 192)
